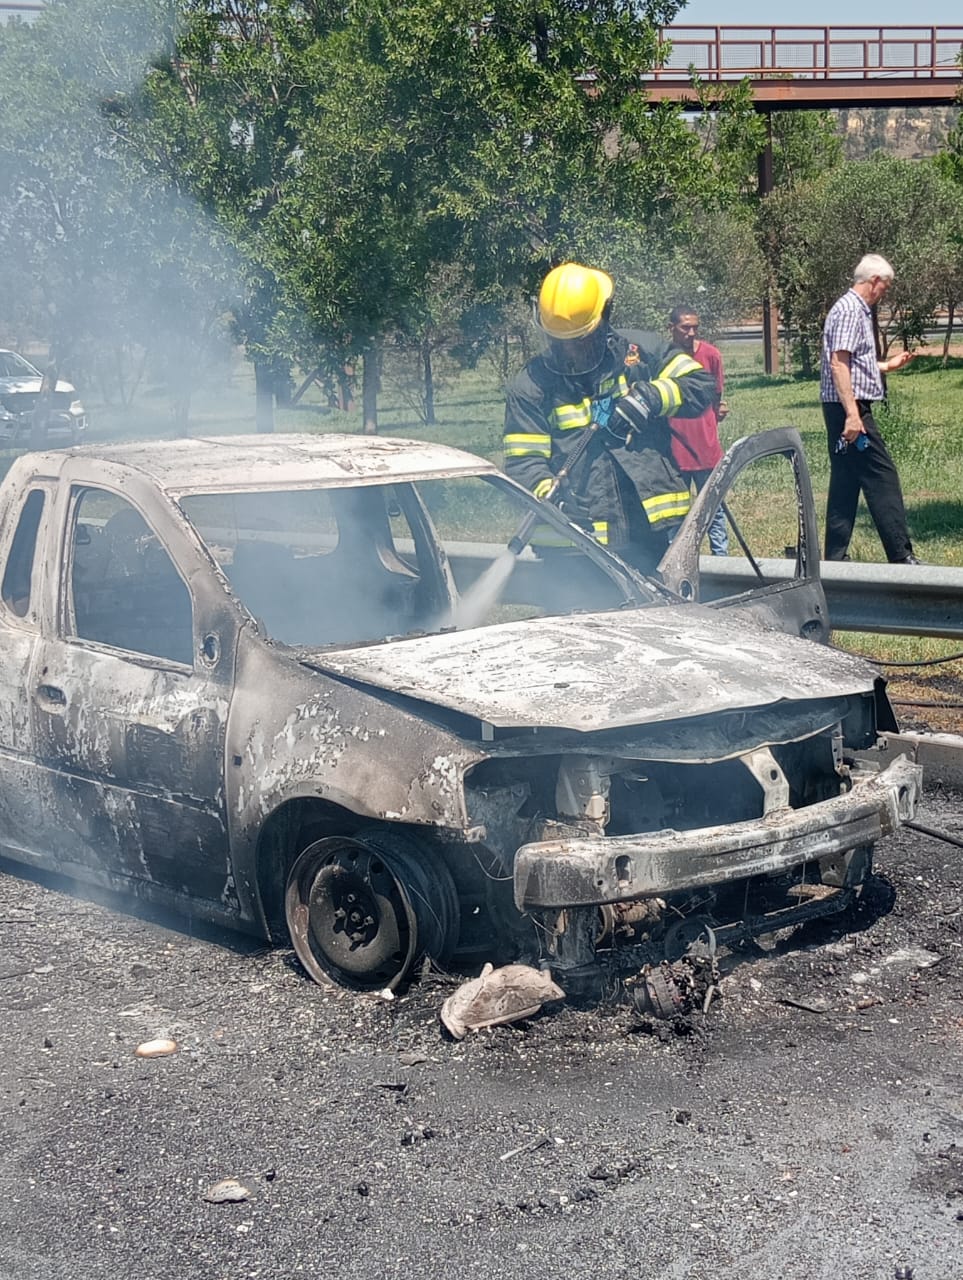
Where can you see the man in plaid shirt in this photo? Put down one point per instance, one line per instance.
(850, 380)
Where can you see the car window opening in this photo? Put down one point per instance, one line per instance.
(125, 590)
(357, 565)
(18, 575)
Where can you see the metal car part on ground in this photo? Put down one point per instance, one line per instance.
(233, 683)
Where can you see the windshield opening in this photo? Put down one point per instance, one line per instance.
(14, 366)
(343, 566)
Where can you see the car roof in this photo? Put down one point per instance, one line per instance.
(215, 464)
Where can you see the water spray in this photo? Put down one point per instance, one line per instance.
(483, 594)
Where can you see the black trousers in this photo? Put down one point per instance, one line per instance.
(870, 471)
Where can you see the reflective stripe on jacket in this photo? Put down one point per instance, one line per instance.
(634, 491)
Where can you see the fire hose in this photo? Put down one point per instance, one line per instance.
(473, 606)
(600, 418)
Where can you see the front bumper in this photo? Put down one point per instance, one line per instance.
(596, 870)
(61, 425)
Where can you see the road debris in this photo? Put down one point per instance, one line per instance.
(417, 1133)
(412, 1058)
(809, 1006)
(156, 1048)
(497, 996)
(543, 1140)
(228, 1191)
(912, 958)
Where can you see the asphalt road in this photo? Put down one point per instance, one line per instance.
(810, 1125)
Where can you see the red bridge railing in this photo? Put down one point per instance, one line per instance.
(823, 53)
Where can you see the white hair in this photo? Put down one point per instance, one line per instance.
(871, 265)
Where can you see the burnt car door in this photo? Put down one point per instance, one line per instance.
(131, 692)
(763, 490)
(21, 543)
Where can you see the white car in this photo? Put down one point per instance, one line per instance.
(19, 390)
(301, 685)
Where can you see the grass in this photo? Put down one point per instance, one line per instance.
(921, 425)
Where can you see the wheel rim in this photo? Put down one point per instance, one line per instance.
(350, 916)
(428, 884)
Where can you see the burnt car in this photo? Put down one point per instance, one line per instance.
(20, 385)
(298, 685)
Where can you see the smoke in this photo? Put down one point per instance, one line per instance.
(479, 599)
(105, 257)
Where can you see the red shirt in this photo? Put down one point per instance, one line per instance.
(699, 448)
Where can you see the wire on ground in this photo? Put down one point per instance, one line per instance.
(921, 662)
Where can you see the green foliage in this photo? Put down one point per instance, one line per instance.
(814, 236)
(383, 169)
(325, 174)
(98, 256)
(505, 166)
(320, 178)
(907, 435)
(805, 144)
(712, 264)
(949, 161)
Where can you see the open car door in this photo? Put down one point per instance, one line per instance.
(763, 490)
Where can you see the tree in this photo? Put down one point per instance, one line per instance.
(329, 175)
(949, 161)
(218, 120)
(712, 265)
(814, 237)
(949, 164)
(362, 153)
(805, 144)
(99, 255)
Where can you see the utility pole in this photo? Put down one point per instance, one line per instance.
(770, 313)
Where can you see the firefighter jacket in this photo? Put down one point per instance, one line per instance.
(629, 493)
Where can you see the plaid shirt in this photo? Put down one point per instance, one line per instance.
(849, 327)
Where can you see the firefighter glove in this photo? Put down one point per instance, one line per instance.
(631, 412)
(544, 487)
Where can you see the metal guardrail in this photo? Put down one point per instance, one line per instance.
(907, 600)
(25, 10)
(888, 599)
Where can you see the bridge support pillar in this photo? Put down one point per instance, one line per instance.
(770, 313)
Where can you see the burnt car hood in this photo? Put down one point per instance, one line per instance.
(592, 672)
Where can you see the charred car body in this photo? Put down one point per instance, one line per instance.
(237, 680)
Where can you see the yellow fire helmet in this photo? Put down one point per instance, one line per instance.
(572, 300)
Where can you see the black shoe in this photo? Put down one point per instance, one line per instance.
(910, 559)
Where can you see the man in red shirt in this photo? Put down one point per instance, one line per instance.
(695, 441)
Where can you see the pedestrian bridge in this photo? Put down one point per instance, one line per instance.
(793, 67)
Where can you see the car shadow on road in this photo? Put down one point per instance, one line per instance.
(128, 904)
(876, 901)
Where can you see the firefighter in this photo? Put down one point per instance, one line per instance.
(622, 484)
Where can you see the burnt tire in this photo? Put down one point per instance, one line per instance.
(363, 911)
